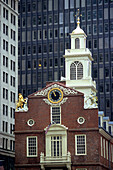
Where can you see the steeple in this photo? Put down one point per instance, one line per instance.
(78, 62)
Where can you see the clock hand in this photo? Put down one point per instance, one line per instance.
(54, 93)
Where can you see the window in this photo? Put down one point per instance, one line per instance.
(88, 15)
(77, 43)
(56, 62)
(106, 72)
(13, 19)
(5, 13)
(32, 146)
(94, 29)
(44, 5)
(5, 45)
(76, 70)
(50, 5)
(55, 18)
(88, 29)
(61, 18)
(34, 20)
(55, 4)
(56, 136)
(106, 27)
(61, 32)
(50, 62)
(71, 3)
(13, 4)
(95, 43)
(28, 7)
(89, 43)
(80, 144)
(45, 63)
(50, 33)
(56, 146)
(50, 47)
(34, 6)
(55, 114)
(45, 20)
(39, 20)
(94, 14)
(50, 19)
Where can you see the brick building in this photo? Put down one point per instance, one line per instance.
(62, 128)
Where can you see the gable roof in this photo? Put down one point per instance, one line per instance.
(44, 91)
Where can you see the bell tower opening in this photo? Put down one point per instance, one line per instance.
(77, 43)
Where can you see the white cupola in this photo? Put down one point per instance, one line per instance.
(78, 63)
(78, 37)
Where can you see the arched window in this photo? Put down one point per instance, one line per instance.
(77, 43)
(76, 71)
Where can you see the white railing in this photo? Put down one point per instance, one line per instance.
(48, 159)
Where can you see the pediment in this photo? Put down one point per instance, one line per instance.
(66, 90)
(55, 87)
(57, 127)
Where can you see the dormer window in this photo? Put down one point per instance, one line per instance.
(77, 43)
(76, 71)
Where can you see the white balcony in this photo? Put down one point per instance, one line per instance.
(47, 161)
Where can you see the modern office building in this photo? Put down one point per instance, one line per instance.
(44, 27)
(8, 79)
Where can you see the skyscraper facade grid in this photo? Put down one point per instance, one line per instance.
(8, 80)
(44, 27)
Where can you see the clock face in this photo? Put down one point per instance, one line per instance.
(55, 95)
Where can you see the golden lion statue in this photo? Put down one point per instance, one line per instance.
(20, 102)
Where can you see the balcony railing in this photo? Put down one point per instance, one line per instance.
(48, 159)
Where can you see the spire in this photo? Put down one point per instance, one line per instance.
(78, 18)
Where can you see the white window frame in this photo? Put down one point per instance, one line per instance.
(28, 137)
(60, 114)
(56, 130)
(76, 145)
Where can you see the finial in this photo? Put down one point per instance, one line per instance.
(78, 17)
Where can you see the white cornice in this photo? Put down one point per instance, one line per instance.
(105, 134)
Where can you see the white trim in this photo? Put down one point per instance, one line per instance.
(29, 123)
(107, 149)
(101, 146)
(76, 144)
(78, 120)
(27, 146)
(104, 148)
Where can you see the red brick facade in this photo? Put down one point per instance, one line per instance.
(71, 110)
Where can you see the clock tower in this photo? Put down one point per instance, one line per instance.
(78, 62)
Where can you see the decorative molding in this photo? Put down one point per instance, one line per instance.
(66, 91)
(81, 120)
(90, 101)
(30, 122)
(52, 104)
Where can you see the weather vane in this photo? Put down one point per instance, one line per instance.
(78, 15)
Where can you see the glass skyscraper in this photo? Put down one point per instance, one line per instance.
(44, 27)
